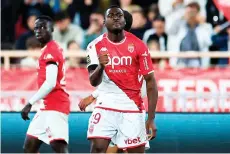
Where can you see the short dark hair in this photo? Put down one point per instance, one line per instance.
(114, 6)
(129, 20)
(61, 15)
(194, 5)
(43, 17)
(32, 42)
(159, 18)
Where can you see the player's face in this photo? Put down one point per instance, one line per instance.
(43, 30)
(114, 20)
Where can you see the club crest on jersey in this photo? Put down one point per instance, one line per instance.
(103, 49)
(131, 48)
(91, 129)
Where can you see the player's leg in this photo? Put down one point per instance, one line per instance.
(57, 130)
(32, 144)
(132, 133)
(59, 146)
(99, 145)
(34, 133)
(112, 148)
(101, 129)
(139, 149)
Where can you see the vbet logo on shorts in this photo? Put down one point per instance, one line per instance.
(115, 61)
(133, 141)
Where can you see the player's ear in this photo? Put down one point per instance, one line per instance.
(104, 22)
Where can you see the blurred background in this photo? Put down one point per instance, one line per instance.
(189, 42)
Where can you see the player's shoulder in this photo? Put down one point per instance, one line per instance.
(96, 41)
(53, 47)
(131, 37)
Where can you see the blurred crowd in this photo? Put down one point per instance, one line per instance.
(164, 25)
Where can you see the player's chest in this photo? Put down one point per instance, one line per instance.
(119, 55)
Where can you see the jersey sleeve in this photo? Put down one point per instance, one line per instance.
(52, 56)
(92, 58)
(145, 61)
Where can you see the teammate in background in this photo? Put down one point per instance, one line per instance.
(114, 60)
(50, 123)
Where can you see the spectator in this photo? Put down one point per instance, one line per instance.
(154, 46)
(140, 24)
(95, 29)
(214, 16)
(186, 30)
(21, 42)
(157, 32)
(64, 31)
(80, 11)
(221, 40)
(153, 12)
(59, 5)
(32, 45)
(73, 61)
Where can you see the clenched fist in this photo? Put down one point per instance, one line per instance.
(103, 59)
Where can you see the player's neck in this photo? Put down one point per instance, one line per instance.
(44, 43)
(116, 37)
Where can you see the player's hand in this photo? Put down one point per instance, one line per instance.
(85, 102)
(25, 111)
(151, 129)
(103, 59)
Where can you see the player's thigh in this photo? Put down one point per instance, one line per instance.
(132, 131)
(112, 148)
(59, 146)
(101, 125)
(99, 145)
(139, 149)
(31, 144)
(57, 126)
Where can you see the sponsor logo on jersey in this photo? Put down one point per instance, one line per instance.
(48, 56)
(145, 54)
(131, 48)
(103, 49)
(124, 60)
(133, 141)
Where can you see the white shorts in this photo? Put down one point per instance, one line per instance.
(48, 126)
(147, 146)
(125, 129)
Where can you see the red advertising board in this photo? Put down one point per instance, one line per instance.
(182, 90)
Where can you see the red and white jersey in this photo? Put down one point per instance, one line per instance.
(58, 98)
(121, 84)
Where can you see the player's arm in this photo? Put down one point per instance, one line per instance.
(49, 83)
(95, 65)
(152, 94)
(88, 100)
(95, 74)
(146, 69)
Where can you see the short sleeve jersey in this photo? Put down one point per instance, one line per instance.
(120, 88)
